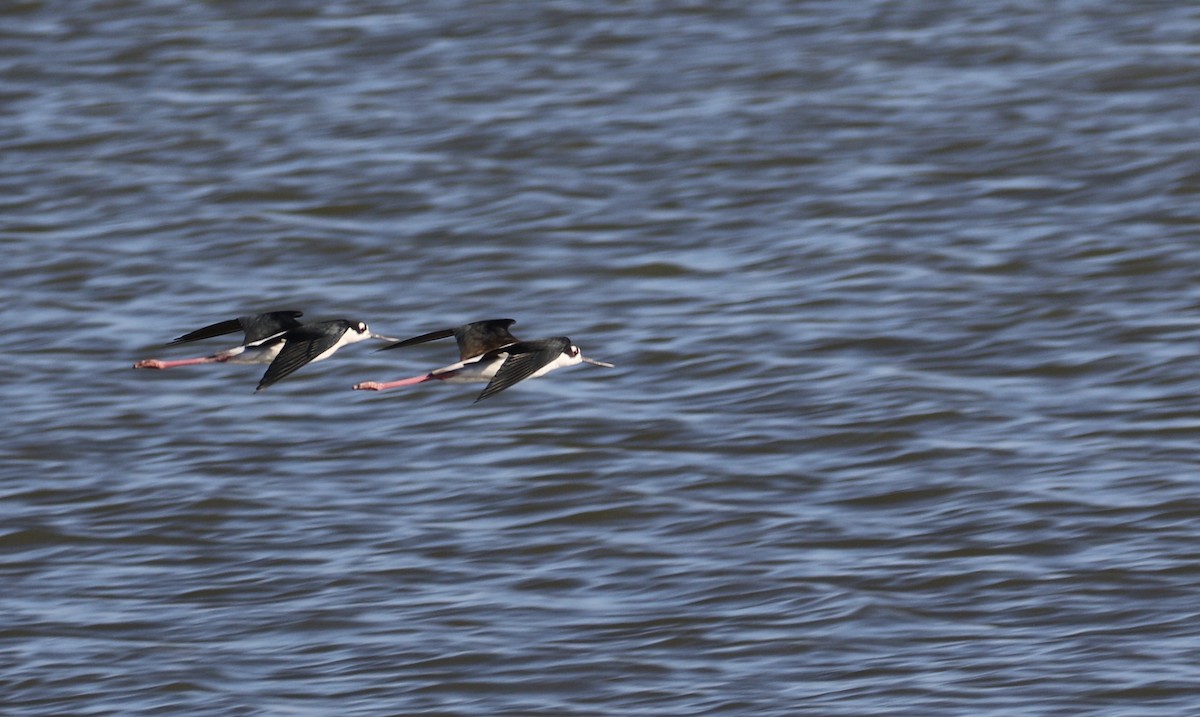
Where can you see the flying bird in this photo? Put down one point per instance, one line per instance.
(261, 343)
(274, 338)
(488, 352)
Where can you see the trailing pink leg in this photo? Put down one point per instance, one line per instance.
(155, 363)
(376, 386)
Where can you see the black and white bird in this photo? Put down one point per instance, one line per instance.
(308, 343)
(263, 339)
(276, 338)
(488, 352)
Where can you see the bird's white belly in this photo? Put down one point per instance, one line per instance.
(253, 354)
(469, 371)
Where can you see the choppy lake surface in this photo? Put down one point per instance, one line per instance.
(903, 300)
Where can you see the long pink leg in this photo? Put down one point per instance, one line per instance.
(155, 363)
(376, 386)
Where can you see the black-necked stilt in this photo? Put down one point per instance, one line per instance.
(262, 342)
(502, 360)
(314, 342)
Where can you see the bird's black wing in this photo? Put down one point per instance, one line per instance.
(284, 320)
(262, 326)
(431, 336)
(479, 337)
(218, 329)
(473, 339)
(525, 358)
(301, 345)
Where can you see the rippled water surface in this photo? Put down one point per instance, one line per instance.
(903, 300)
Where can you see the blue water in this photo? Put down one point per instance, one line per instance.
(902, 302)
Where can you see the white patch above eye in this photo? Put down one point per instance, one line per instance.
(362, 328)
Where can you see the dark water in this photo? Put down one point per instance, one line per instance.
(903, 299)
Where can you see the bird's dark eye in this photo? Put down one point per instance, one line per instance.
(362, 328)
(572, 351)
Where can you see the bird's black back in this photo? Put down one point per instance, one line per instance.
(256, 327)
(261, 326)
(473, 339)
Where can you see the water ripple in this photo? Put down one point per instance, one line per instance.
(899, 298)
